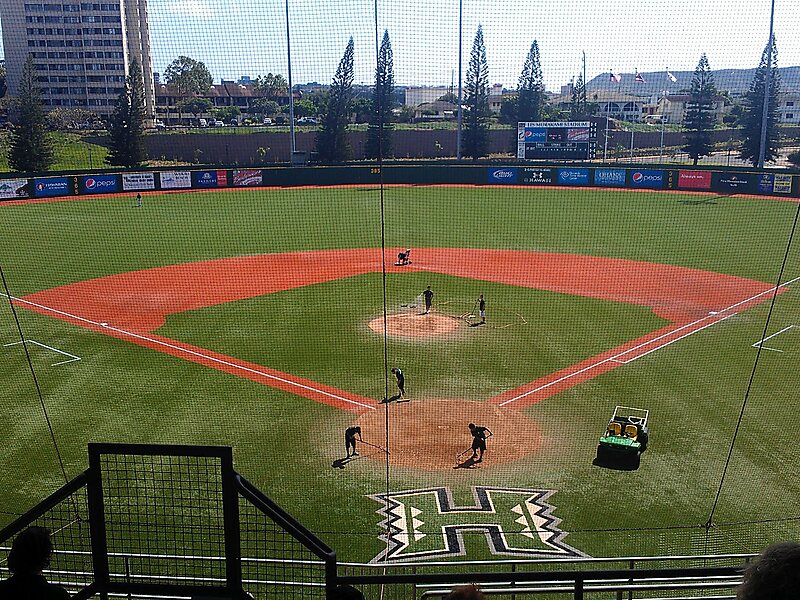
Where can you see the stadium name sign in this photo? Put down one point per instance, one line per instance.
(426, 523)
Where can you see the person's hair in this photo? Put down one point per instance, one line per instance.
(394, 369)
(773, 575)
(471, 425)
(466, 592)
(31, 551)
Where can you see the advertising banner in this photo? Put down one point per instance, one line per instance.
(573, 176)
(734, 183)
(99, 184)
(222, 178)
(647, 178)
(246, 177)
(782, 184)
(13, 188)
(47, 187)
(205, 179)
(532, 134)
(609, 177)
(138, 181)
(533, 176)
(694, 180)
(175, 180)
(503, 175)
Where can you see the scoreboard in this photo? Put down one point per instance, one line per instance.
(564, 140)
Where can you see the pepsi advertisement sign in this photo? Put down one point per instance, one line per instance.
(50, 186)
(573, 176)
(609, 177)
(646, 178)
(506, 175)
(205, 179)
(99, 184)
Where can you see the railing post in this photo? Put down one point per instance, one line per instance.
(230, 519)
(631, 566)
(513, 580)
(97, 522)
(579, 588)
(128, 575)
(331, 576)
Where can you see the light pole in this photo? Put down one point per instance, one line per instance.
(291, 94)
(762, 148)
(460, 88)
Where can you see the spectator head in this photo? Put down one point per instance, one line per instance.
(31, 551)
(466, 592)
(773, 575)
(347, 592)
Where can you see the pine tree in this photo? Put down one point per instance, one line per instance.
(754, 106)
(31, 149)
(531, 96)
(475, 142)
(578, 108)
(126, 126)
(332, 142)
(379, 135)
(700, 119)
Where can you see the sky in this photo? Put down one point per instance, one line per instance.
(248, 37)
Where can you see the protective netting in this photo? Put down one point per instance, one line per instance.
(252, 271)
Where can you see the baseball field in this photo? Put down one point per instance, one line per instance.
(267, 320)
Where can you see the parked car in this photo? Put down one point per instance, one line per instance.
(202, 122)
(266, 121)
(160, 124)
(306, 121)
(218, 123)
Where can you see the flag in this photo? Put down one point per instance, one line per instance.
(639, 78)
(671, 77)
(615, 78)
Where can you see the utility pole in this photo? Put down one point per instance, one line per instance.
(460, 90)
(291, 94)
(762, 149)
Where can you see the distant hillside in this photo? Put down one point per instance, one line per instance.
(735, 81)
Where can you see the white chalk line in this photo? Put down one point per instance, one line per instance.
(192, 352)
(647, 343)
(761, 342)
(73, 358)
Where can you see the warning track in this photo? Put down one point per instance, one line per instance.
(131, 306)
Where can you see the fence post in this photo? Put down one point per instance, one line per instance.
(230, 519)
(128, 575)
(97, 522)
(631, 566)
(331, 576)
(579, 588)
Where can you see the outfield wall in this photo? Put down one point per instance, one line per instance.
(720, 181)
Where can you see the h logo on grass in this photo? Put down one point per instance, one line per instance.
(424, 524)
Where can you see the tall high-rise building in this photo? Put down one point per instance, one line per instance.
(81, 50)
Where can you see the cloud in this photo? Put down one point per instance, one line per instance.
(198, 9)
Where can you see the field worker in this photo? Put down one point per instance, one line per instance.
(350, 440)
(482, 309)
(138, 199)
(428, 295)
(478, 440)
(401, 381)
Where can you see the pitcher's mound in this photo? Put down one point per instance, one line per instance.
(428, 434)
(415, 325)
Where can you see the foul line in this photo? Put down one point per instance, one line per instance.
(647, 343)
(191, 352)
(761, 342)
(73, 358)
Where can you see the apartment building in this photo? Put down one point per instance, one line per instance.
(81, 50)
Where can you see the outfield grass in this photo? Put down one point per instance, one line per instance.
(285, 443)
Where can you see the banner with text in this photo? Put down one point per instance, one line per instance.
(132, 182)
(175, 180)
(14, 188)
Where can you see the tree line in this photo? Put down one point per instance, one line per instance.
(31, 149)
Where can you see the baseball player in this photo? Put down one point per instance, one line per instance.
(350, 440)
(482, 309)
(478, 441)
(401, 381)
(428, 296)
